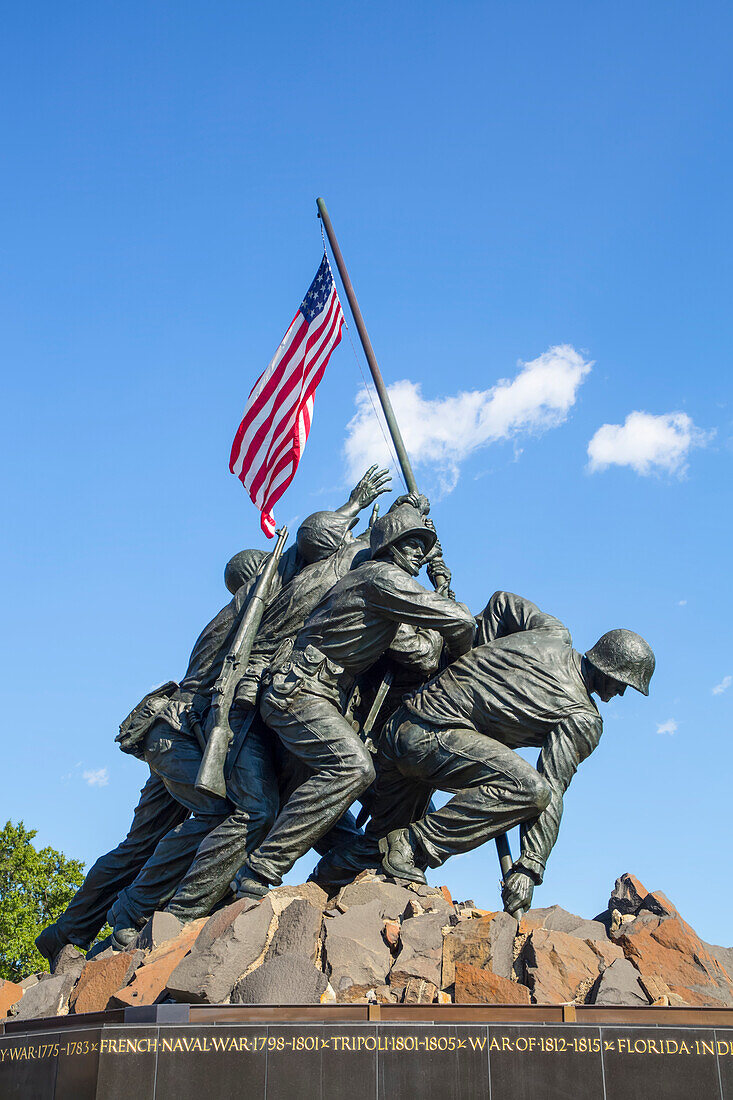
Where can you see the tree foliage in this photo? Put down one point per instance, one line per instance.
(35, 887)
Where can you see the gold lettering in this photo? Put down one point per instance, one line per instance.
(723, 1048)
(707, 1048)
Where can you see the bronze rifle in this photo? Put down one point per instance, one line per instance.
(210, 778)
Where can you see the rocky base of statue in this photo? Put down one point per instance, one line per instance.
(388, 942)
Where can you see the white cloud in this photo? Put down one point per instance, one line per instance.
(670, 727)
(682, 603)
(648, 444)
(442, 432)
(723, 685)
(98, 778)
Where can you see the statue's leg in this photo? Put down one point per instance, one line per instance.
(496, 788)
(396, 800)
(252, 787)
(341, 768)
(155, 814)
(176, 759)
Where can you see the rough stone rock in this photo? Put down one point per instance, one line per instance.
(100, 948)
(298, 932)
(666, 947)
(160, 928)
(356, 957)
(310, 891)
(618, 985)
(444, 998)
(627, 895)
(230, 944)
(381, 995)
(606, 950)
(151, 977)
(281, 980)
(474, 985)
(421, 950)
(655, 988)
(724, 955)
(559, 967)
(392, 934)
(101, 978)
(392, 899)
(32, 979)
(484, 942)
(49, 998)
(419, 992)
(434, 899)
(559, 920)
(69, 961)
(10, 994)
(659, 904)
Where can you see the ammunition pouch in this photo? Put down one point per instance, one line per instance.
(134, 728)
(311, 672)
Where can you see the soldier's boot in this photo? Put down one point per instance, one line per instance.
(248, 884)
(399, 856)
(124, 927)
(49, 942)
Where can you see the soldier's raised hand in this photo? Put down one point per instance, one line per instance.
(417, 500)
(374, 482)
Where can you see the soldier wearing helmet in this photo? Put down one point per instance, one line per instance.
(522, 685)
(139, 878)
(355, 624)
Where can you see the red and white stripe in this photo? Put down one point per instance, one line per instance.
(270, 440)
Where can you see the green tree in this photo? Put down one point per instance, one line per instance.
(35, 887)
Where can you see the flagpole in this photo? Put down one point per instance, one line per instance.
(502, 842)
(389, 416)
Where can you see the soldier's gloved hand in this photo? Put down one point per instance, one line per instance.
(517, 892)
(417, 500)
(374, 482)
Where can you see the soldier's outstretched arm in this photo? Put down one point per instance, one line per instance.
(399, 597)
(506, 613)
(565, 748)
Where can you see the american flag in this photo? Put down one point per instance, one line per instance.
(270, 440)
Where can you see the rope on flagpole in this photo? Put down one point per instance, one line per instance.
(387, 441)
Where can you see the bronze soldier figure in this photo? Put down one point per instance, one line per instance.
(522, 685)
(172, 745)
(352, 627)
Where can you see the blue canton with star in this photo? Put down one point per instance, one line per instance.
(318, 291)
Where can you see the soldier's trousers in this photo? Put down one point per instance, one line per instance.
(223, 826)
(155, 815)
(314, 731)
(494, 789)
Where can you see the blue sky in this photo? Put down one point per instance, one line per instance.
(505, 180)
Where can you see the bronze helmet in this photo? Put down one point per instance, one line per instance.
(400, 523)
(626, 657)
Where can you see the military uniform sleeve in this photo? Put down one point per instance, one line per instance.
(506, 614)
(399, 597)
(566, 746)
(418, 650)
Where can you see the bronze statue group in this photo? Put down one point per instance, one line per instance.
(362, 686)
